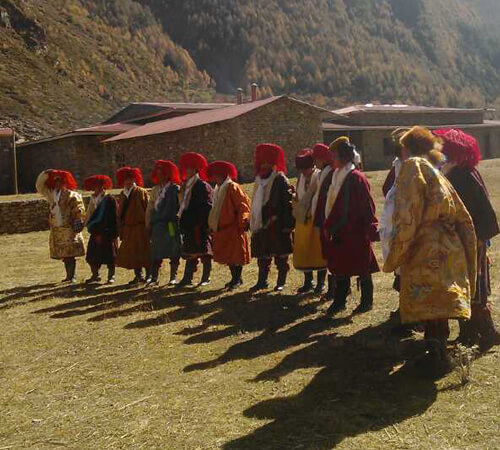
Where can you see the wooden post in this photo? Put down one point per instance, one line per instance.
(14, 163)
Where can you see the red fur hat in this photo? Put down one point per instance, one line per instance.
(169, 168)
(129, 172)
(459, 147)
(66, 178)
(322, 152)
(94, 181)
(194, 161)
(271, 154)
(304, 159)
(223, 169)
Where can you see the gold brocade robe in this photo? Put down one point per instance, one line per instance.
(434, 245)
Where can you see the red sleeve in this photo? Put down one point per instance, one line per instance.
(389, 181)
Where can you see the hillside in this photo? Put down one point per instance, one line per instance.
(66, 63)
(440, 52)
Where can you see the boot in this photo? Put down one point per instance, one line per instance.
(308, 285)
(111, 273)
(174, 267)
(366, 296)
(262, 280)
(70, 266)
(320, 285)
(340, 298)
(137, 279)
(95, 278)
(236, 280)
(152, 280)
(207, 269)
(330, 293)
(187, 279)
(282, 275)
(435, 363)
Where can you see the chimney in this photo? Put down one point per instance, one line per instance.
(255, 86)
(239, 96)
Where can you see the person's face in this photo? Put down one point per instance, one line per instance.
(190, 172)
(307, 172)
(337, 162)
(58, 185)
(219, 179)
(319, 163)
(99, 189)
(163, 177)
(129, 182)
(266, 167)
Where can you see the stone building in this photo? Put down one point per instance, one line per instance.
(370, 127)
(142, 133)
(229, 133)
(8, 182)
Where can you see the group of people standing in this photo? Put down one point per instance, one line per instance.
(327, 223)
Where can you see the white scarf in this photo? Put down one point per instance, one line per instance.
(128, 191)
(219, 197)
(305, 196)
(56, 210)
(324, 173)
(186, 197)
(161, 195)
(261, 193)
(96, 201)
(338, 179)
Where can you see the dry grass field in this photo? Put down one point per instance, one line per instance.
(107, 367)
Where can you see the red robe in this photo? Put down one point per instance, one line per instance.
(354, 226)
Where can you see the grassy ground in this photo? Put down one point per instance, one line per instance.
(117, 368)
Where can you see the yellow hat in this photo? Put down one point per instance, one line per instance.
(341, 140)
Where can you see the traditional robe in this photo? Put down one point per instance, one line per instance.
(67, 212)
(307, 250)
(102, 224)
(471, 188)
(229, 220)
(197, 240)
(433, 244)
(272, 236)
(134, 251)
(350, 229)
(163, 222)
(318, 207)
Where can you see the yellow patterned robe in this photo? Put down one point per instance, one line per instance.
(434, 245)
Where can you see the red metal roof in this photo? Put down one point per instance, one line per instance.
(112, 128)
(6, 132)
(199, 119)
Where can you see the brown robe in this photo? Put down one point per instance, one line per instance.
(134, 251)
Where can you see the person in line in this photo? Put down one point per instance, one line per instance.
(102, 224)
(434, 245)
(162, 221)
(229, 221)
(196, 203)
(350, 229)
(67, 212)
(134, 250)
(307, 252)
(397, 163)
(463, 155)
(323, 161)
(271, 221)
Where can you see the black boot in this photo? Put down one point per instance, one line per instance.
(138, 278)
(366, 304)
(111, 273)
(154, 272)
(70, 266)
(340, 298)
(187, 279)
(174, 267)
(262, 280)
(320, 285)
(435, 363)
(308, 285)
(282, 275)
(95, 278)
(236, 280)
(330, 293)
(207, 269)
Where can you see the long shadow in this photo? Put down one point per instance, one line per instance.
(359, 389)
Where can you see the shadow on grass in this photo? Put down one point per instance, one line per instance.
(357, 390)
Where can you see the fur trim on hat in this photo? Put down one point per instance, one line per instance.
(129, 172)
(194, 161)
(91, 183)
(169, 168)
(459, 147)
(271, 154)
(222, 169)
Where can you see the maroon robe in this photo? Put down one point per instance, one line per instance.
(319, 216)
(351, 228)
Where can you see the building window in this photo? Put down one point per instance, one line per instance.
(388, 147)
